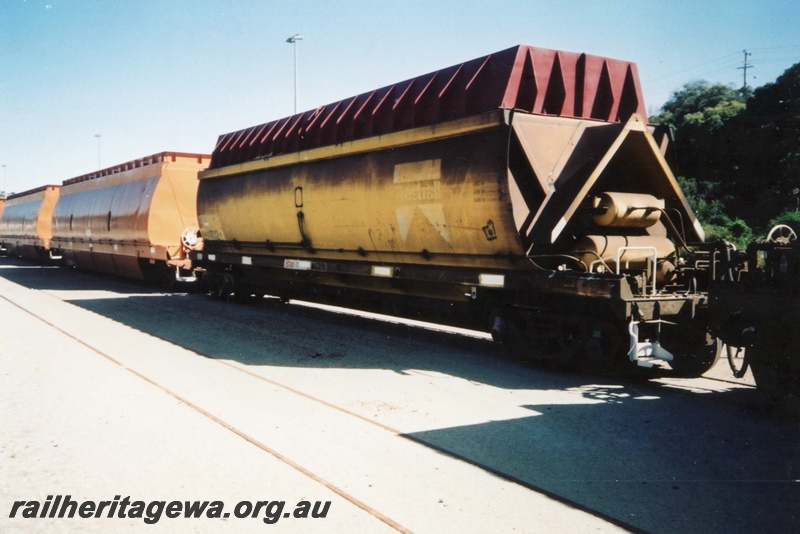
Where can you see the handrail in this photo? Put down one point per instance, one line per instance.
(654, 258)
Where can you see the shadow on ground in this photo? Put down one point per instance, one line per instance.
(644, 455)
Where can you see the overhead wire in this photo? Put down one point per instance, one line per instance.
(762, 60)
(727, 61)
(694, 67)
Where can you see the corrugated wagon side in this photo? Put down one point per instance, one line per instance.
(26, 225)
(129, 219)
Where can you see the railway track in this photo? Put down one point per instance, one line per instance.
(221, 422)
(230, 424)
(474, 383)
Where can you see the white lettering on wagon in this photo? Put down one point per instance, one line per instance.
(418, 186)
(297, 265)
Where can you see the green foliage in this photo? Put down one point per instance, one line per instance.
(734, 231)
(711, 119)
(701, 197)
(698, 112)
(767, 155)
(739, 152)
(711, 213)
(701, 105)
(789, 218)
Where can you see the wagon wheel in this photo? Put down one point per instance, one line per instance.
(781, 234)
(737, 359)
(697, 359)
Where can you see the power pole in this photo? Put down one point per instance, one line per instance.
(744, 68)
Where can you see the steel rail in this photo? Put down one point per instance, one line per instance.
(221, 422)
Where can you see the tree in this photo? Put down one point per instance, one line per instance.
(704, 197)
(698, 102)
(765, 141)
(739, 152)
(698, 112)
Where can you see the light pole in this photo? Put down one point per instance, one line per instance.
(98, 151)
(5, 193)
(293, 40)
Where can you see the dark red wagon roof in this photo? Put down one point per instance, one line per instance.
(533, 80)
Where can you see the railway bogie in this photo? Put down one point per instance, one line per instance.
(755, 304)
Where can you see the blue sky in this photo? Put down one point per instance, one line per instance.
(150, 76)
